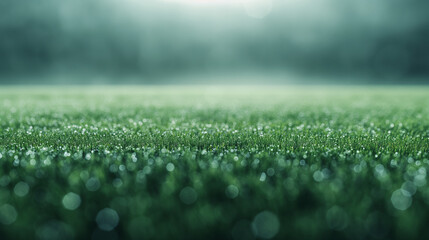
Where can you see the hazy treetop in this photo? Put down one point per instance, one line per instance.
(160, 40)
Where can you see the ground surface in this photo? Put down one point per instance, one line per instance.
(214, 163)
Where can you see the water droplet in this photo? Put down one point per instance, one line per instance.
(400, 201)
(188, 195)
(32, 162)
(92, 184)
(408, 188)
(107, 219)
(170, 167)
(71, 201)
(265, 225)
(8, 214)
(117, 182)
(318, 176)
(232, 191)
(263, 177)
(420, 180)
(21, 189)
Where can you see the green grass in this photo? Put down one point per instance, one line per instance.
(214, 162)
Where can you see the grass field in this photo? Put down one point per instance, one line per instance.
(214, 162)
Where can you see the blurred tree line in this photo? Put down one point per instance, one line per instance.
(386, 40)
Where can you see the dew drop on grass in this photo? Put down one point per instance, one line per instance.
(8, 214)
(21, 189)
(400, 201)
(265, 225)
(16, 162)
(420, 180)
(113, 168)
(117, 182)
(133, 157)
(408, 188)
(232, 191)
(122, 167)
(47, 162)
(263, 177)
(170, 167)
(147, 170)
(107, 219)
(318, 176)
(71, 201)
(188, 195)
(141, 177)
(93, 184)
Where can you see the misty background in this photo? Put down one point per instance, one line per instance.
(214, 41)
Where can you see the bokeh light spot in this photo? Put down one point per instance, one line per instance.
(188, 195)
(232, 191)
(71, 201)
(401, 201)
(107, 219)
(265, 225)
(8, 214)
(93, 184)
(21, 189)
(170, 167)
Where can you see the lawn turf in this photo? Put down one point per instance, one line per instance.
(179, 162)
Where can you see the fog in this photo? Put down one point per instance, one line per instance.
(214, 41)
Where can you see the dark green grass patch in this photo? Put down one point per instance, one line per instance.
(214, 163)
